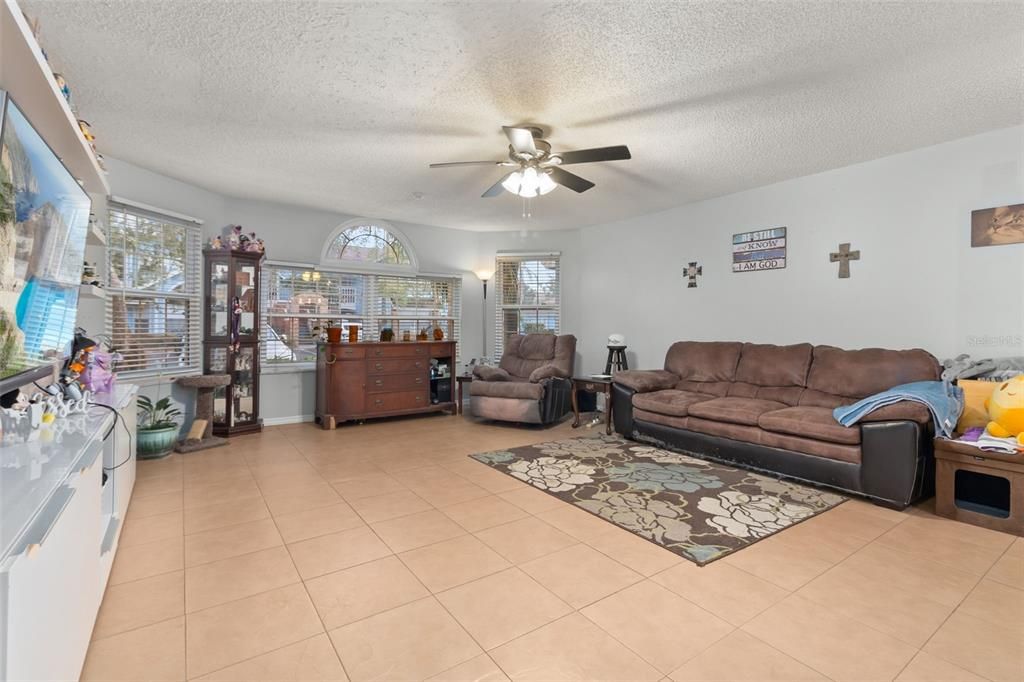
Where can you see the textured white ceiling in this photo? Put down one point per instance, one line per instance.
(341, 106)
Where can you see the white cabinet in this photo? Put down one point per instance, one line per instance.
(52, 595)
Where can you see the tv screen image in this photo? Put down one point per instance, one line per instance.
(44, 217)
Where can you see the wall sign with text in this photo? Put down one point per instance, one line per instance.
(761, 250)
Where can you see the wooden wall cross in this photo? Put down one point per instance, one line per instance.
(691, 271)
(844, 256)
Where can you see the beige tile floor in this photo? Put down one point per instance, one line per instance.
(381, 551)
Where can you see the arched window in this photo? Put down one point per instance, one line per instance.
(370, 245)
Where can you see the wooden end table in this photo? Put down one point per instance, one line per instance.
(459, 381)
(592, 385)
(979, 487)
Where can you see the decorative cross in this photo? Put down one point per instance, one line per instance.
(843, 256)
(691, 271)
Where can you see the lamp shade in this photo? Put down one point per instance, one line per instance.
(483, 274)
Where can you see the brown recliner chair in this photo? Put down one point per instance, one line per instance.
(530, 384)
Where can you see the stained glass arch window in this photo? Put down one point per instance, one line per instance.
(370, 245)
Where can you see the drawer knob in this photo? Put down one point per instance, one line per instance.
(419, 380)
(419, 399)
(378, 382)
(378, 401)
(379, 366)
(419, 364)
(377, 352)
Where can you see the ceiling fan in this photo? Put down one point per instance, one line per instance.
(536, 170)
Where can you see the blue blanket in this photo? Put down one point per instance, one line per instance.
(945, 401)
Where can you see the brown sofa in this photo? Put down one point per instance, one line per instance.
(530, 384)
(770, 408)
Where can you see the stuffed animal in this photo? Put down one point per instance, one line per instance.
(234, 239)
(1006, 410)
(216, 243)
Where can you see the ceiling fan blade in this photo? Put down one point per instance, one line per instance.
(617, 153)
(521, 140)
(567, 179)
(496, 189)
(470, 163)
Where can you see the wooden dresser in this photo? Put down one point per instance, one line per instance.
(366, 380)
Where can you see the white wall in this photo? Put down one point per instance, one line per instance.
(918, 283)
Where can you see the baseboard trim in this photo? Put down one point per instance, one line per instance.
(281, 421)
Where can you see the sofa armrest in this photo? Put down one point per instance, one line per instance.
(548, 371)
(904, 410)
(646, 380)
(487, 373)
(897, 464)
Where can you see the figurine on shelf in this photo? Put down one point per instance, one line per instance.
(62, 86)
(236, 323)
(86, 129)
(88, 273)
(234, 237)
(243, 239)
(216, 244)
(259, 246)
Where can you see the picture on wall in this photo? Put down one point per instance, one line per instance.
(760, 250)
(998, 226)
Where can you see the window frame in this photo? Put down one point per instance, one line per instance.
(118, 210)
(500, 307)
(328, 262)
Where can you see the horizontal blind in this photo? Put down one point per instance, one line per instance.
(298, 300)
(414, 304)
(529, 297)
(153, 284)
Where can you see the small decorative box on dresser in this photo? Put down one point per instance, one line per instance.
(363, 380)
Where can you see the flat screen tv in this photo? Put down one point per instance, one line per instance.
(44, 218)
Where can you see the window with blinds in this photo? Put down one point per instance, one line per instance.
(529, 300)
(299, 300)
(153, 284)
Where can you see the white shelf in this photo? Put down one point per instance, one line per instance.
(28, 78)
(91, 291)
(95, 237)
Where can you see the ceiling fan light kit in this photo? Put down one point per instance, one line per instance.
(537, 170)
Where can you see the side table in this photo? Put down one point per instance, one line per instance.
(592, 385)
(459, 381)
(979, 487)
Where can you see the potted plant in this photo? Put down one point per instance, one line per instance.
(158, 427)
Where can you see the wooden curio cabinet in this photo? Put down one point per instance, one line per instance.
(231, 337)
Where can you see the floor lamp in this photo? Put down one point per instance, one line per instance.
(483, 276)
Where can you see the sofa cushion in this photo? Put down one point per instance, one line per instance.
(904, 410)
(719, 389)
(734, 410)
(790, 395)
(507, 389)
(663, 419)
(669, 402)
(738, 432)
(703, 360)
(770, 365)
(526, 352)
(860, 373)
(810, 422)
(812, 446)
(644, 380)
(487, 373)
(548, 371)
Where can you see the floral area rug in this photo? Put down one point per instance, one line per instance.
(699, 510)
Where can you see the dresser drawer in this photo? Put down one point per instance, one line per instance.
(394, 402)
(399, 350)
(346, 352)
(442, 350)
(388, 383)
(396, 366)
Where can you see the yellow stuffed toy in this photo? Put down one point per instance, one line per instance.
(1006, 410)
